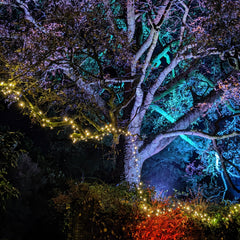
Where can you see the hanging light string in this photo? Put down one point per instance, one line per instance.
(190, 209)
(9, 89)
(16, 95)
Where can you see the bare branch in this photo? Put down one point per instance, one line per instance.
(139, 91)
(142, 50)
(148, 58)
(200, 55)
(188, 52)
(198, 134)
(162, 13)
(159, 142)
(159, 80)
(223, 160)
(120, 80)
(131, 19)
(184, 20)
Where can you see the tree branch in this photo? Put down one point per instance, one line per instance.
(162, 13)
(131, 19)
(188, 52)
(154, 146)
(174, 83)
(150, 95)
(184, 20)
(142, 50)
(223, 160)
(198, 134)
(91, 93)
(120, 80)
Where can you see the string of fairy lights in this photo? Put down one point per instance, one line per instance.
(189, 209)
(77, 135)
(9, 89)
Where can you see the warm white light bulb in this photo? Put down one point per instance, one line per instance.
(21, 104)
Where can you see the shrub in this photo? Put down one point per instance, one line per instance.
(102, 212)
(168, 225)
(98, 211)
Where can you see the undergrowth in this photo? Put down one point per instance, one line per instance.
(100, 211)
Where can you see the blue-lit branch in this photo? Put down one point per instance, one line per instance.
(182, 134)
(172, 120)
(199, 134)
(226, 173)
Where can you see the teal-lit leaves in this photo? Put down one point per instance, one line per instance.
(121, 24)
(116, 7)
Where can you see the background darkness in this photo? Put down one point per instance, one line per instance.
(49, 159)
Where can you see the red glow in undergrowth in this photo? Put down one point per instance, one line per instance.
(170, 225)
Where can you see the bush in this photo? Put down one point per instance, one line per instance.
(98, 211)
(167, 226)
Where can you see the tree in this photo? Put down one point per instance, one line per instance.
(145, 71)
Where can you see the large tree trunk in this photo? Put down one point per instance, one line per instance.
(136, 152)
(132, 162)
(134, 159)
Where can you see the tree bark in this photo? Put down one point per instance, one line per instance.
(132, 162)
(148, 149)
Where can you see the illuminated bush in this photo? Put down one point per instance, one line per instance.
(165, 225)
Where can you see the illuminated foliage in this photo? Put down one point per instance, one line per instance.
(99, 211)
(170, 225)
